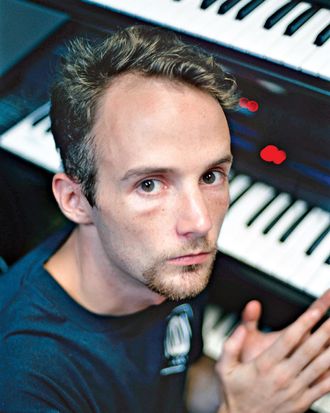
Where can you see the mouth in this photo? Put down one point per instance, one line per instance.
(190, 259)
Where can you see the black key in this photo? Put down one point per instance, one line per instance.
(327, 261)
(206, 4)
(248, 8)
(318, 241)
(260, 210)
(323, 36)
(294, 226)
(227, 5)
(40, 118)
(232, 202)
(277, 218)
(279, 14)
(300, 20)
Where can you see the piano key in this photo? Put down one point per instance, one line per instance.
(239, 184)
(186, 16)
(254, 233)
(250, 26)
(293, 226)
(323, 36)
(259, 212)
(275, 219)
(233, 228)
(317, 242)
(292, 50)
(319, 281)
(279, 14)
(260, 41)
(227, 5)
(31, 140)
(215, 337)
(207, 3)
(221, 27)
(266, 245)
(248, 8)
(290, 266)
(318, 61)
(300, 20)
(304, 269)
(322, 405)
(247, 34)
(282, 257)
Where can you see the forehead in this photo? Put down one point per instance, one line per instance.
(151, 120)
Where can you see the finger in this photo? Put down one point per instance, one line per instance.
(322, 303)
(290, 338)
(251, 315)
(310, 348)
(314, 371)
(316, 392)
(232, 349)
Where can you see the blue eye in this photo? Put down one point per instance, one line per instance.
(150, 186)
(212, 177)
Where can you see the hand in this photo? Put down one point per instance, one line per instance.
(286, 373)
(255, 341)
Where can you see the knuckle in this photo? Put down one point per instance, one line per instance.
(283, 378)
(308, 351)
(263, 365)
(289, 339)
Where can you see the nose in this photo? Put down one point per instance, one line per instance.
(194, 219)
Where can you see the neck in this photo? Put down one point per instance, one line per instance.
(83, 271)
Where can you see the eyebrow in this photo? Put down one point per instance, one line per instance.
(136, 172)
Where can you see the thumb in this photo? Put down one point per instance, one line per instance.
(232, 349)
(251, 315)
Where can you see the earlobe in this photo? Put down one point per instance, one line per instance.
(71, 200)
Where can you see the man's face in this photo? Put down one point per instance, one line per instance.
(163, 158)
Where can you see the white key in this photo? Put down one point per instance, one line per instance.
(302, 41)
(304, 269)
(170, 13)
(252, 25)
(33, 143)
(212, 315)
(305, 265)
(269, 37)
(264, 249)
(238, 185)
(296, 244)
(130, 7)
(213, 342)
(317, 61)
(223, 27)
(188, 17)
(320, 281)
(293, 49)
(254, 233)
(322, 405)
(232, 232)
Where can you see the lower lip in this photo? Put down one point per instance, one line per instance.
(190, 259)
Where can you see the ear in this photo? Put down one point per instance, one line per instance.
(71, 199)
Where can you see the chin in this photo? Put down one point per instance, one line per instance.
(186, 282)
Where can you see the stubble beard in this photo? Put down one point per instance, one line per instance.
(179, 282)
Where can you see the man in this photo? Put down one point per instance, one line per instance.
(106, 317)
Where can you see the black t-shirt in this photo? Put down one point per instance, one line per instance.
(56, 356)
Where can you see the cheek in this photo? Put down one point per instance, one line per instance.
(219, 203)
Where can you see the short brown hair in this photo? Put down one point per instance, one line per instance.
(87, 70)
